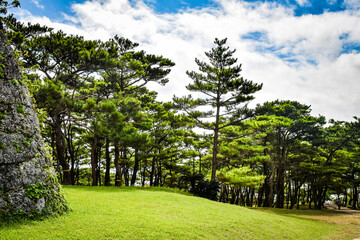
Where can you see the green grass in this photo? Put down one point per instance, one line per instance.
(144, 213)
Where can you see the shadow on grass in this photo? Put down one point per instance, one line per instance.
(17, 222)
(125, 189)
(303, 213)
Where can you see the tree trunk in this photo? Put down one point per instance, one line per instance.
(323, 197)
(152, 172)
(126, 176)
(270, 197)
(94, 163)
(72, 172)
(136, 167)
(264, 189)
(260, 196)
(247, 197)
(346, 199)
(108, 162)
(310, 195)
(355, 197)
(60, 150)
(233, 195)
(298, 198)
(241, 199)
(98, 164)
(214, 158)
(54, 153)
(117, 165)
(215, 143)
(77, 175)
(159, 174)
(294, 199)
(237, 196)
(223, 193)
(71, 151)
(288, 195)
(280, 186)
(252, 197)
(143, 176)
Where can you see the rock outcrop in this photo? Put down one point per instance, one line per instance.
(28, 186)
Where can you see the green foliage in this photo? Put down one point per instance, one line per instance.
(15, 82)
(2, 146)
(17, 146)
(206, 189)
(36, 191)
(2, 66)
(5, 5)
(134, 69)
(21, 109)
(14, 216)
(27, 141)
(55, 204)
(19, 32)
(243, 176)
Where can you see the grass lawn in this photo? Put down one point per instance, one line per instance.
(144, 213)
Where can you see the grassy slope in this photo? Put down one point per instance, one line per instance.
(135, 213)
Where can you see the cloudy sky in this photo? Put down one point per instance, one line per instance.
(304, 50)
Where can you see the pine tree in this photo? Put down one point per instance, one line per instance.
(226, 92)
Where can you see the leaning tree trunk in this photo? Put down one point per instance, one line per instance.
(27, 179)
(60, 150)
(269, 191)
(136, 167)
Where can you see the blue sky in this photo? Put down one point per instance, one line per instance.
(304, 50)
(53, 8)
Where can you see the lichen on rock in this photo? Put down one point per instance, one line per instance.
(28, 186)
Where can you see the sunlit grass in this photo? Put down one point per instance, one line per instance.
(138, 213)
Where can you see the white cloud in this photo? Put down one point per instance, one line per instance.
(331, 86)
(37, 4)
(354, 4)
(70, 18)
(331, 1)
(303, 3)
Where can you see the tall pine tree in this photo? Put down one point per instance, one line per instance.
(224, 91)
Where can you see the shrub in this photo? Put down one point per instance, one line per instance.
(206, 189)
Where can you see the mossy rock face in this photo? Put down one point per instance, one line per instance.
(28, 186)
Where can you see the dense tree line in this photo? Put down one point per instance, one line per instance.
(104, 126)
